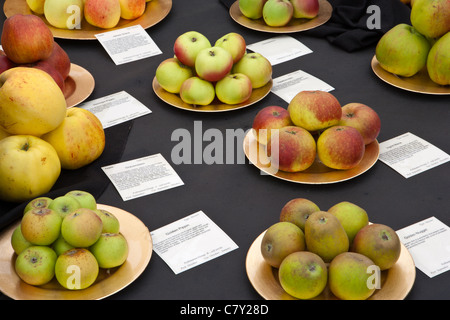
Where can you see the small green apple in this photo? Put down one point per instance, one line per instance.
(37, 203)
(82, 227)
(256, 67)
(187, 46)
(438, 61)
(41, 226)
(64, 205)
(61, 245)
(252, 9)
(171, 73)
(86, 199)
(110, 222)
(18, 241)
(111, 250)
(197, 91)
(36, 265)
(234, 43)
(277, 13)
(352, 217)
(234, 88)
(297, 211)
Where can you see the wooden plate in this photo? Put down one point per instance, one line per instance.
(108, 282)
(78, 85)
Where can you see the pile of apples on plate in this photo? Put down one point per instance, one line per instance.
(278, 13)
(39, 135)
(105, 14)
(67, 238)
(338, 248)
(315, 125)
(425, 44)
(199, 72)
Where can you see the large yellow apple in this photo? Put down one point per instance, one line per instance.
(29, 167)
(30, 102)
(131, 9)
(64, 14)
(79, 140)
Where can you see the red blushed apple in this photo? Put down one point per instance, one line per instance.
(294, 149)
(305, 8)
(188, 45)
(213, 64)
(340, 147)
(363, 118)
(5, 62)
(271, 117)
(60, 60)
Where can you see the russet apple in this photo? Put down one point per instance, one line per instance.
(26, 38)
(29, 167)
(352, 217)
(234, 88)
(234, 43)
(64, 205)
(293, 149)
(111, 250)
(363, 118)
(277, 13)
(197, 91)
(269, 118)
(38, 203)
(256, 67)
(188, 45)
(307, 9)
(81, 228)
(86, 199)
(131, 9)
(37, 6)
(252, 9)
(297, 211)
(171, 74)
(60, 14)
(212, 64)
(79, 139)
(36, 265)
(438, 61)
(103, 14)
(60, 60)
(315, 110)
(340, 147)
(41, 226)
(431, 17)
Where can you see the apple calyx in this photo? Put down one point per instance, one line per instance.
(384, 236)
(311, 267)
(42, 211)
(323, 220)
(25, 146)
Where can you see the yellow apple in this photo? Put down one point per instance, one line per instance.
(132, 9)
(64, 14)
(37, 6)
(29, 167)
(79, 140)
(30, 102)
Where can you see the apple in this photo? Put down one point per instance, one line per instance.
(352, 217)
(294, 149)
(307, 9)
(5, 62)
(3, 134)
(270, 118)
(103, 14)
(51, 70)
(76, 269)
(187, 46)
(60, 60)
(41, 226)
(111, 250)
(81, 228)
(438, 61)
(64, 205)
(315, 110)
(110, 222)
(26, 38)
(61, 245)
(131, 9)
(171, 74)
(29, 167)
(256, 67)
(431, 17)
(277, 13)
(212, 64)
(402, 50)
(234, 88)
(37, 6)
(297, 211)
(60, 13)
(38, 203)
(18, 241)
(363, 118)
(86, 199)
(234, 43)
(252, 9)
(31, 102)
(197, 91)
(340, 147)
(79, 140)
(36, 265)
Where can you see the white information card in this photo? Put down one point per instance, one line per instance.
(428, 241)
(128, 44)
(143, 176)
(191, 241)
(410, 155)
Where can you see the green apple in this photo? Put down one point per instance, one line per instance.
(234, 43)
(18, 241)
(402, 50)
(352, 217)
(297, 211)
(110, 222)
(41, 226)
(438, 61)
(61, 13)
(187, 46)
(111, 250)
(76, 269)
(86, 199)
(277, 13)
(82, 227)
(171, 73)
(234, 88)
(64, 205)
(197, 91)
(252, 9)
(61, 245)
(431, 17)
(256, 67)
(37, 203)
(36, 265)
(212, 64)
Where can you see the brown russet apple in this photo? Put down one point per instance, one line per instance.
(26, 38)
(60, 60)
(268, 118)
(363, 118)
(340, 147)
(298, 211)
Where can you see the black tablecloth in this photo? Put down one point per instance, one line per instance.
(241, 201)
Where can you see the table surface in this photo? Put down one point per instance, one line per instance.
(240, 200)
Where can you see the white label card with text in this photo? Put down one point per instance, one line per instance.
(428, 242)
(116, 108)
(128, 44)
(409, 154)
(143, 176)
(191, 241)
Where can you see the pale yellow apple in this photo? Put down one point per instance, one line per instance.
(132, 9)
(103, 14)
(37, 6)
(79, 140)
(64, 14)
(30, 102)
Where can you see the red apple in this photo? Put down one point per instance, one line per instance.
(271, 117)
(340, 147)
(213, 64)
(305, 8)
(26, 38)
(5, 62)
(363, 118)
(60, 60)
(188, 45)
